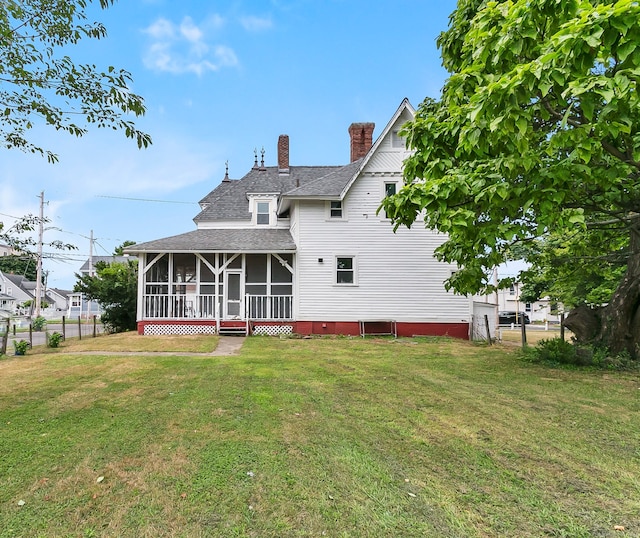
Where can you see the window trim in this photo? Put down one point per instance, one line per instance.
(331, 209)
(258, 213)
(385, 182)
(353, 270)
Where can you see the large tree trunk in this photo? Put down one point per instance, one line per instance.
(616, 325)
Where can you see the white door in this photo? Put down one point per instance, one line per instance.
(233, 295)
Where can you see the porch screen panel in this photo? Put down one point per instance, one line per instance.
(184, 268)
(159, 272)
(236, 263)
(279, 273)
(156, 287)
(256, 268)
(206, 274)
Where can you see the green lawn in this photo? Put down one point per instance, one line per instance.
(320, 437)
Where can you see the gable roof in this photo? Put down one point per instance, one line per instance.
(405, 105)
(228, 201)
(105, 259)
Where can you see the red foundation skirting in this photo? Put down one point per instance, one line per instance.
(407, 329)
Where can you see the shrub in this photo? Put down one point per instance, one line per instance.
(20, 346)
(38, 323)
(556, 350)
(54, 339)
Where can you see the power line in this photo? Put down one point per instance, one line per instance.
(146, 200)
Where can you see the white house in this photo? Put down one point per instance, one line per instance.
(542, 310)
(21, 290)
(77, 303)
(303, 249)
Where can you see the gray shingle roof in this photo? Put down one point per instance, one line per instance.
(329, 185)
(221, 240)
(106, 259)
(229, 200)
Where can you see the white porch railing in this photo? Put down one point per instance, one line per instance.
(269, 308)
(191, 306)
(179, 306)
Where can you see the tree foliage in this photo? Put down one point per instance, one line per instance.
(19, 237)
(24, 265)
(119, 250)
(114, 287)
(38, 82)
(535, 141)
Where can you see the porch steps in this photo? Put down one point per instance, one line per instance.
(233, 329)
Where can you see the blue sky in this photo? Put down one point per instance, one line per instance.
(220, 79)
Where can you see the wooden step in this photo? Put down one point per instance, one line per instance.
(233, 330)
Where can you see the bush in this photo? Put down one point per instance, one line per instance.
(38, 323)
(54, 339)
(557, 351)
(21, 346)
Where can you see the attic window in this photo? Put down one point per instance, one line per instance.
(396, 140)
(262, 213)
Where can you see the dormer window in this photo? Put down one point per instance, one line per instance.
(262, 213)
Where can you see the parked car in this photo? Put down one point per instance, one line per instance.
(509, 317)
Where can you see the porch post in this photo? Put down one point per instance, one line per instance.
(216, 305)
(142, 266)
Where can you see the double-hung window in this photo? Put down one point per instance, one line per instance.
(335, 209)
(262, 213)
(345, 270)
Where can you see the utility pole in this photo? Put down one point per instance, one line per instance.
(90, 269)
(39, 267)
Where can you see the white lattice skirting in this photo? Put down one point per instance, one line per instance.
(272, 330)
(160, 330)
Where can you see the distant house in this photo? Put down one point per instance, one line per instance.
(22, 291)
(60, 298)
(542, 310)
(303, 249)
(6, 250)
(78, 305)
(7, 303)
(89, 267)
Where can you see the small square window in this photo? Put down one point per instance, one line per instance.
(345, 273)
(262, 213)
(335, 209)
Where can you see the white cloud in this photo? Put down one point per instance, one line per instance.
(161, 29)
(186, 47)
(256, 24)
(190, 31)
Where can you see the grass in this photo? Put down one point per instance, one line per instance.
(322, 437)
(131, 342)
(514, 336)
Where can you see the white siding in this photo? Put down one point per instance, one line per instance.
(397, 276)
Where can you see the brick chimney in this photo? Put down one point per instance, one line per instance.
(283, 154)
(361, 139)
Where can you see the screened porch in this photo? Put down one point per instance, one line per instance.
(217, 286)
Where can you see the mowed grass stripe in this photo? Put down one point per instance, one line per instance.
(347, 437)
